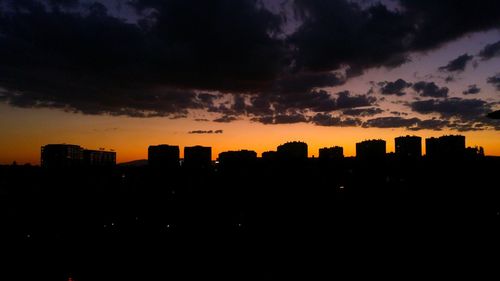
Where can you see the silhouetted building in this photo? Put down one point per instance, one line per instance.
(197, 157)
(474, 152)
(294, 151)
(99, 158)
(269, 155)
(237, 159)
(432, 147)
(445, 147)
(370, 150)
(163, 156)
(61, 156)
(331, 153)
(408, 147)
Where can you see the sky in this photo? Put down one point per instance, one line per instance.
(245, 74)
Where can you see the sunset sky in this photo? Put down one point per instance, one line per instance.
(123, 75)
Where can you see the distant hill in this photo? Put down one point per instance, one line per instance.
(135, 163)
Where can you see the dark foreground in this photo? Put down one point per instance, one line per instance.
(268, 221)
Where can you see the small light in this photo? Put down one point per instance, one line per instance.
(168, 225)
(341, 187)
(112, 224)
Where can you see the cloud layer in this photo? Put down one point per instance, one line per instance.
(237, 59)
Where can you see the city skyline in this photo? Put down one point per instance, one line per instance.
(128, 152)
(248, 139)
(408, 146)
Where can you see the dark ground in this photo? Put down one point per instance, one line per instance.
(267, 221)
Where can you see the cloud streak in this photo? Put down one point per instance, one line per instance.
(458, 64)
(201, 132)
(490, 51)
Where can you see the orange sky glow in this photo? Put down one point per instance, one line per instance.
(130, 137)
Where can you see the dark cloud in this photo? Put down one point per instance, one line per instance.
(431, 124)
(397, 113)
(286, 104)
(207, 98)
(325, 119)
(289, 119)
(416, 124)
(321, 101)
(495, 81)
(153, 103)
(169, 56)
(315, 100)
(465, 109)
(449, 78)
(219, 44)
(466, 126)
(394, 88)
(281, 119)
(307, 81)
(391, 122)
(206, 132)
(259, 105)
(342, 32)
(264, 119)
(225, 119)
(86, 60)
(335, 33)
(437, 22)
(350, 122)
(472, 90)
(362, 111)
(461, 114)
(490, 51)
(345, 100)
(457, 64)
(430, 89)
(494, 115)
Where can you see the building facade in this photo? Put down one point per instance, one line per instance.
(331, 153)
(292, 151)
(61, 156)
(163, 156)
(371, 150)
(408, 147)
(197, 157)
(445, 147)
(99, 158)
(71, 155)
(234, 159)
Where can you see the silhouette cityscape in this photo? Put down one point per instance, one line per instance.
(285, 139)
(83, 200)
(163, 156)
